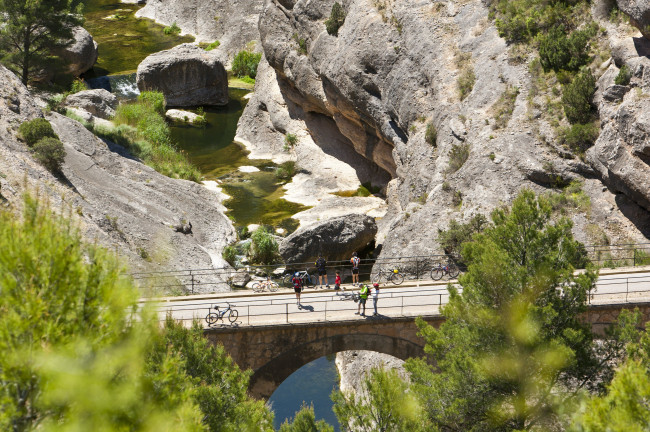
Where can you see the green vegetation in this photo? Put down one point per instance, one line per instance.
(245, 64)
(264, 248)
(452, 239)
(504, 106)
(32, 32)
(230, 254)
(571, 198)
(624, 76)
(431, 134)
(302, 44)
(78, 355)
(142, 129)
(50, 153)
(290, 141)
(579, 137)
(33, 131)
(336, 19)
(286, 171)
(210, 46)
(172, 30)
(577, 98)
(466, 75)
(559, 52)
(305, 421)
(458, 155)
(77, 86)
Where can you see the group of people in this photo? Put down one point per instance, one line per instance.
(364, 290)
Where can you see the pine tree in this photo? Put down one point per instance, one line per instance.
(31, 31)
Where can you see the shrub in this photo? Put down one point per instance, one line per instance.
(213, 45)
(245, 64)
(466, 77)
(336, 19)
(624, 76)
(579, 137)
(286, 171)
(264, 248)
(35, 130)
(559, 52)
(156, 100)
(49, 152)
(452, 239)
(504, 107)
(290, 141)
(431, 134)
(302, 44)
(77, 86)
(230, 254)
(173, 29)
(577, 97)
(457, 157)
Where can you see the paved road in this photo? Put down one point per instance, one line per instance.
(409, 299)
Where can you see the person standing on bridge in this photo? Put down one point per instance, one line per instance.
(297, 286)
(363, 297)
(375, 297)
(355, 261)
(321, 265)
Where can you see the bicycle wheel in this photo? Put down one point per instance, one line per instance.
(436, 273)
(397, 278)
(232, 316)
(376, 278)
(310, 280)
(212, 318)
(257, 287)
(273, 287)
(286, 280)
(453, 270)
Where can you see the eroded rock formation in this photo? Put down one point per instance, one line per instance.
(100, 103)
(639, 13)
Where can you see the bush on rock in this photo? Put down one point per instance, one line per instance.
(34, 130)
(49, 152)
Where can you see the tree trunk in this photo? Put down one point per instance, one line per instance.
(26, 46)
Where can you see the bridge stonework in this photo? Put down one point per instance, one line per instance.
(274, 352)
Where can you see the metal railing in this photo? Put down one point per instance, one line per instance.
(280, 308)
(207, 280)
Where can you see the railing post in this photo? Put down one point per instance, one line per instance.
(326, 311)
(286, 311)
(417, 269)
(402, 297)
(248, 314)
(634, 257)
(627, 288)
(192, 276)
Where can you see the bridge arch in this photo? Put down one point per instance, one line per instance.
(269, 376)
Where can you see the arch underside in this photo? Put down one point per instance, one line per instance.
(267, 378)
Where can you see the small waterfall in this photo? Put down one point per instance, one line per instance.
(122, 86)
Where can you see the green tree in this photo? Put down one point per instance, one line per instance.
(264, 248)
(245, 64)
(512, 342)
(559, 52)
(385, 403)
(336, 19)
(31, 31)
(305, 421)
(577, 98)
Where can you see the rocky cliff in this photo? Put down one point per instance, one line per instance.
(393, 69)
(118, 201)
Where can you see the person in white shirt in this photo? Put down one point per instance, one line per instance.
(375, 297)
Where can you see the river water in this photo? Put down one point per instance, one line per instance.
(124, 42)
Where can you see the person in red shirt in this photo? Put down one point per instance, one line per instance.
(337, 281)
(297, 287)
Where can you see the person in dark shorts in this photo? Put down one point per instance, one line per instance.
(321, 266)
(363, 297)
(355, 261)
(297, 287)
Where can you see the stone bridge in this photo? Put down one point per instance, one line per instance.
(274, 352)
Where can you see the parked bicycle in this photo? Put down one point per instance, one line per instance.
(348, 296)
(450, 269)
(268, 284)
(307, 279)
(385, 276)
(212, 317)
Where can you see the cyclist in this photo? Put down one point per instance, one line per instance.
(322, 271)
(363, 296)
(297, 286)
(355, 260)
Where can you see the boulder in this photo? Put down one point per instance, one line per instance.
(240, 278)
(82, 53)
(100, 103)
(335, 238)
(183, 116)
(639, 13)
(187, 76)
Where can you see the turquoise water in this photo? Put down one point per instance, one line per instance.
(313, 383)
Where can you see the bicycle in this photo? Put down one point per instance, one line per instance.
(268, 284)
(212, 317)
(386, 276)
(438, 271)
(348, 296)
(306, 278)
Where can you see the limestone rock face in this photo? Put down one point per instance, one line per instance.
(335, 238)
(639, 13)
(82, 53)
(187, 75)
(100, 103)
(182, 116)
(231, 22)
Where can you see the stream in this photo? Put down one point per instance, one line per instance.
(256, 196)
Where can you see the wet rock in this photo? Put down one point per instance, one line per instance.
(187, 76)
(639, 13)
(335, 238)
(99, 102)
